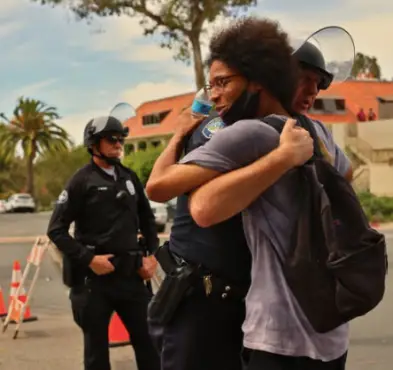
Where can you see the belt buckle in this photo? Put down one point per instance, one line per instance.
(207, 283)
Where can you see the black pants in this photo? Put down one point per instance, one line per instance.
(205, 334)
(260, 360)
(92, 307)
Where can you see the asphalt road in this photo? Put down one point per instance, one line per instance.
(55, 342)
(23, 224)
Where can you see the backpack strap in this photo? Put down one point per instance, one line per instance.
(308, 125)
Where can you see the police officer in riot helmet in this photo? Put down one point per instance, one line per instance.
(313, 76)
(103, 263)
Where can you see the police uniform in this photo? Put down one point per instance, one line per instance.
(205, 332)
(108, 209)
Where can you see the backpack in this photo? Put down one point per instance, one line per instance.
(337, 265)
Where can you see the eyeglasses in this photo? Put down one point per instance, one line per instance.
(220, 83)
(115, 139)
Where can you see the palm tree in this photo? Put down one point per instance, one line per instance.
(32, 127)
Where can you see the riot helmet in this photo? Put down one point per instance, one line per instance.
(310, 57)
(99, 128)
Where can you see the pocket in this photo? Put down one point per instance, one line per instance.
(80, 298)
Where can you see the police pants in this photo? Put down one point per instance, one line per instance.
(260, 360)
(205, 334)
(92, 307)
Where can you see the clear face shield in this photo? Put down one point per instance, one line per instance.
(123, 112)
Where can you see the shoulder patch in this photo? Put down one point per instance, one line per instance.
(63, 197)
(212, 127)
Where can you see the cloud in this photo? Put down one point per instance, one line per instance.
(147, 91)
(8, 6)
(33, 88)
(10, 28)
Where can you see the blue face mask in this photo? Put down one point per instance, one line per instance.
(244, 107)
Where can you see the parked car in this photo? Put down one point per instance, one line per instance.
(160, 212)
(20, 202)
(171, 206)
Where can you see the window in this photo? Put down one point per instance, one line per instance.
(318, 104)
(329, 106)
(154, 118)
(340, 104)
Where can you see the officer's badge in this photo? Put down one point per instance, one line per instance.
(130, 187)
(63, 197)
(212, 127)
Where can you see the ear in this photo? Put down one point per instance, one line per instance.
(255, 87)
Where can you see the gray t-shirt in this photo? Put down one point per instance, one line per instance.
(274, 322)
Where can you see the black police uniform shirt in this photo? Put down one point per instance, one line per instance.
(108, 212)
(222, 248)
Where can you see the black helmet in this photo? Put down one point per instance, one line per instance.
(311, 57)
(99, 127)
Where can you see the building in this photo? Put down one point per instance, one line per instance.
(155, 121)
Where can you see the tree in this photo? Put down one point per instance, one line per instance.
(364, 64)
(54, 170)
(32, 127)
(181, 23)
(142, 162)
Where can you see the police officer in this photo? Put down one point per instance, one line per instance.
(103, 263)
(314, 76)
(205, 331)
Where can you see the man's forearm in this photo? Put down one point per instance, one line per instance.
(169, 180)
(233, 192)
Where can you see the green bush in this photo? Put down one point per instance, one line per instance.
(377, 209)
(142, 162)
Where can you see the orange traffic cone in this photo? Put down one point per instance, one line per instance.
(15, 283)
(118, 334)
(3, 309)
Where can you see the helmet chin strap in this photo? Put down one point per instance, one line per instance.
(111, 161)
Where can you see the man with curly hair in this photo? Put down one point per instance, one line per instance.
(205, 332)
(246, 167)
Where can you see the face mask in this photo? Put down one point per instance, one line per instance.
(244, 107)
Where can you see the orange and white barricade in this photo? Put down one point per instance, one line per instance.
(18, 307)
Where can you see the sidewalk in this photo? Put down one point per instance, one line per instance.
(52, 342)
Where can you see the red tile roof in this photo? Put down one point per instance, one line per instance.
(174, 103)
(357, 94)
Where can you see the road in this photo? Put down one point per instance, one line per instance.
(371, 345)
(23, 224)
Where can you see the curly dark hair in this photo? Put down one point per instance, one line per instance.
(259, 50)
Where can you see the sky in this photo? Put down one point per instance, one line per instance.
(85, 69)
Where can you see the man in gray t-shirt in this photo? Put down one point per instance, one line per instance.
(274, 322)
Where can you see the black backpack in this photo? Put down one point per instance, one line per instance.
(337, 267)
